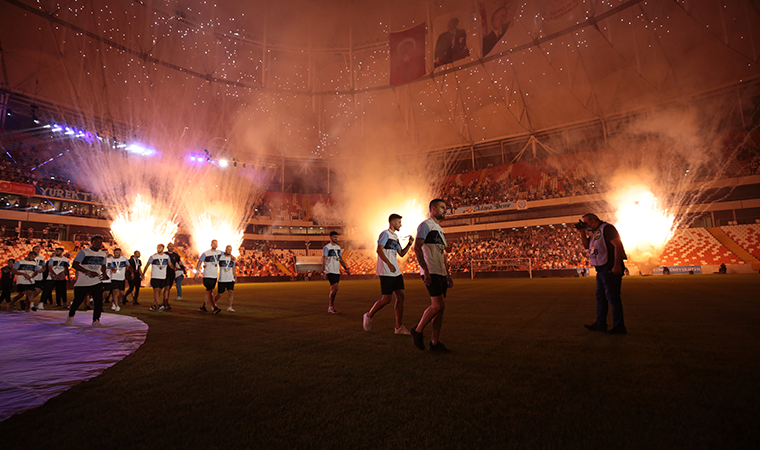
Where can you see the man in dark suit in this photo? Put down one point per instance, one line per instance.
(134, 277)
(451, 45)
(500, 23)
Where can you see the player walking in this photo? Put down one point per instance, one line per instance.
(58, 273)
(391, 279)
(210, 262)
(159, 262)
(90, 264)
(25, 270)
(429, 248)
(226, 277)
(118, 272)
(331, 262)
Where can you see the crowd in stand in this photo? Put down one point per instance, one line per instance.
(549, 247)
(533, 180)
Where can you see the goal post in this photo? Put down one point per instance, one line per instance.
(500, 265)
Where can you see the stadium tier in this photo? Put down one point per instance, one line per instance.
(747, 236)
(696, 246)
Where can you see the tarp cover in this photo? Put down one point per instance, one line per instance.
(40, 357)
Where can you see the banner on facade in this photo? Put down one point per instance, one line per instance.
(481, 208)
(679, 270)
(16, 188)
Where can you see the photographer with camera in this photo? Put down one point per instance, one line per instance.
(606, 254)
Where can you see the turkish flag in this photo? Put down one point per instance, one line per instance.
(408, 54)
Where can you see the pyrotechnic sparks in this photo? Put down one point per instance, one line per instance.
(644, 226)
(141, 228)
(205, 229)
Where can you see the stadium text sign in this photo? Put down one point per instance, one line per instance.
(68, 195)
(679, 270)
(489, 207)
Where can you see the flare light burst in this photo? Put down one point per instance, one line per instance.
(644, 226)
(205, 229)
(141, 228)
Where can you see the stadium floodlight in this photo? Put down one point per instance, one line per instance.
(140, 150)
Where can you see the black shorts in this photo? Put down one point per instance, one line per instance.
(25, 287)
(39, 284)
(333, 278)
(438, 285)
(209, 283)
(226, 286)
(157, 283)
(107, 287)
(169, 278)
(388, 285)
(117, 285)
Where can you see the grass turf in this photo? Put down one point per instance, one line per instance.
(282, 373)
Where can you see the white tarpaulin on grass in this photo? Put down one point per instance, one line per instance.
(40, 357)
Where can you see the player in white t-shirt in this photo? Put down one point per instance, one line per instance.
(58, 275)
(430, 248)
(107, 287)
(332, 259)
(226, 277)
(391, 278)
(210, 262)
(25, 270)
(117, 271)
(37, 281)
(90, 264)
(159, 262)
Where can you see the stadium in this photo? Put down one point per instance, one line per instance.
(268, 126)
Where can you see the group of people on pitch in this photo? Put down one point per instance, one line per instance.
(99, 272)
(606, 254)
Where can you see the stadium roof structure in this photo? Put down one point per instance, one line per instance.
(312, 78)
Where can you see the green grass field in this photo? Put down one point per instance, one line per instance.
(282, 373)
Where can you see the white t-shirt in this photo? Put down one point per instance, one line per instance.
(210, 260)
(332, 254)
(109, 264)
(226, 268)
(158, 265)
(40, 266)
(389, 241)
(27, 267)
(120, 264)
(434, 244)
(56, 266)
(90, 260)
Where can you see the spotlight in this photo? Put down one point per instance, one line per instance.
(223, 163)
(192, 158)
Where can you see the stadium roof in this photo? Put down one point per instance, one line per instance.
(312, 79)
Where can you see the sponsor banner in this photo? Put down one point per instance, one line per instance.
(68, 195)
(489, 207)
(678, 270)
(16, 188)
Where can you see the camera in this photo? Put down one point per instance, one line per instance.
(581, 225)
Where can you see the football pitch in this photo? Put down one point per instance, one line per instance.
(524, 373)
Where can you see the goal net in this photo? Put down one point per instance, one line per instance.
(500, 265)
